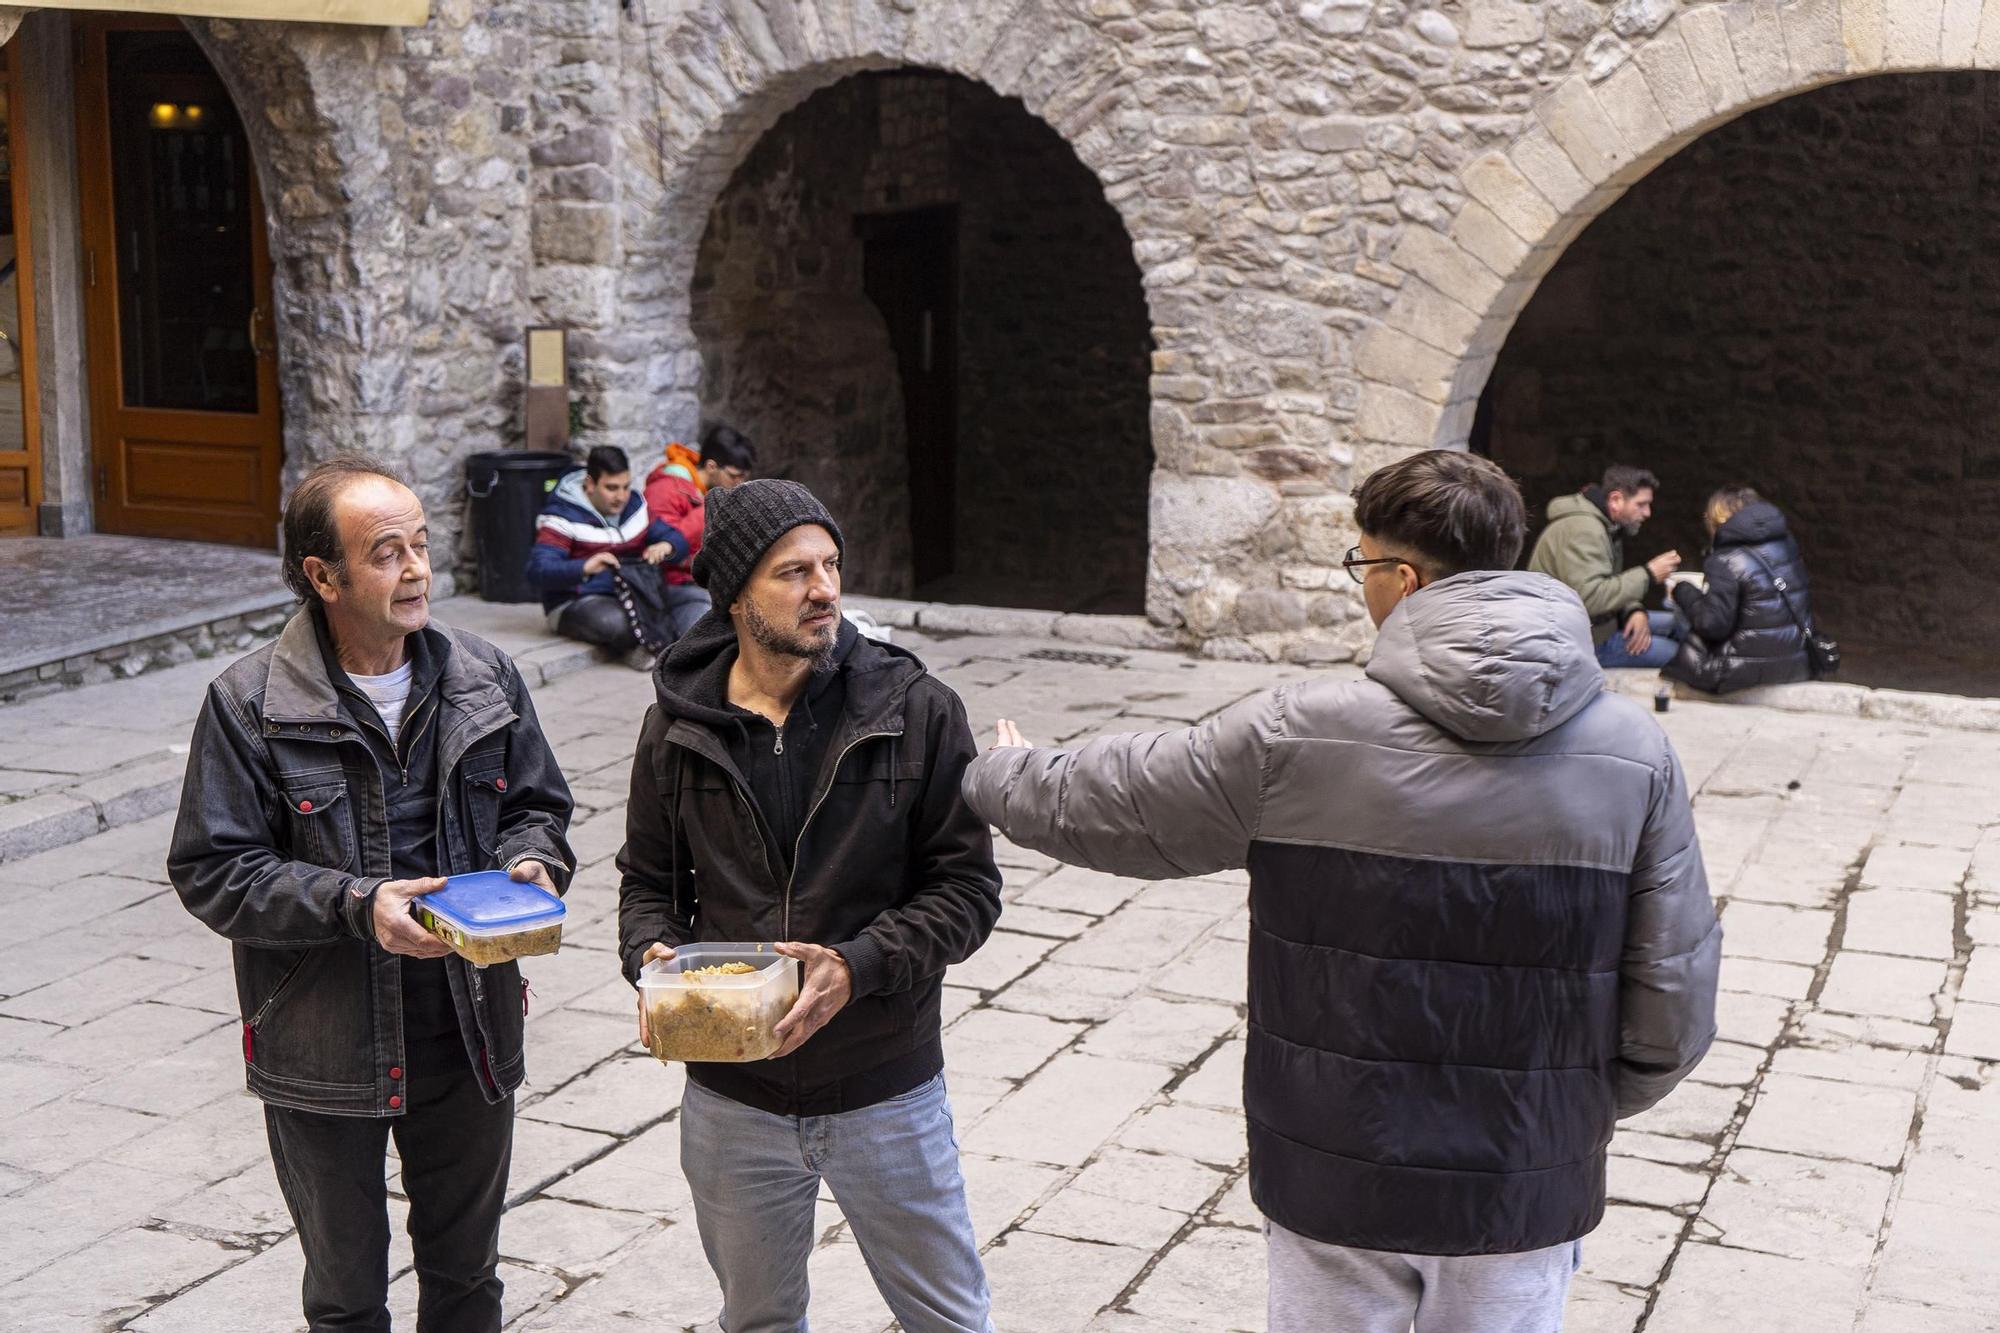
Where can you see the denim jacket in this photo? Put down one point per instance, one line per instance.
(282, 840)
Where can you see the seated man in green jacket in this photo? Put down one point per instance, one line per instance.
(1584, 547)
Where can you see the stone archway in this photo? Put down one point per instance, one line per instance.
(1588, 141)
(1228, 492)
(702, 84)
(1802, 301)
(917, 301)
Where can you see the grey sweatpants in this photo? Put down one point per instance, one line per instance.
(1318, 1288)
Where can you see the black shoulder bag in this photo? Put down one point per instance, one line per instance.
(1822, 653)
(642, 595)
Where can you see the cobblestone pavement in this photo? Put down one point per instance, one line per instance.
(1834, 1164)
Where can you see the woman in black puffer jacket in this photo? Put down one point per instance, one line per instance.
(1746, 632)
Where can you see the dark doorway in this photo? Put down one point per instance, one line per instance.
(917, 300)
(910, 271)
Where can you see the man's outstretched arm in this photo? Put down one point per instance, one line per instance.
(1154, 805)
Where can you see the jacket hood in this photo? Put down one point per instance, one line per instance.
(1752, 525)
(692, 679)
(570, 490)
(1494, 655)
(1570, 506)
(683, 464)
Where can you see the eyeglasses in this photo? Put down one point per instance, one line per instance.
(1357, 566)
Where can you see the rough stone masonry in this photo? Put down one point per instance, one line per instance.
(1335, 208)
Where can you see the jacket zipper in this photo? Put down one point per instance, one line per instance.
(402, 760)
(264, 1009)
(763, 851)
(818, 801)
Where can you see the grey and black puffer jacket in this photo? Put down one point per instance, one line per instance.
(1480, 927)
(1747, 630)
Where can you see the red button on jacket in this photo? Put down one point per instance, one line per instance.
(499, 784)
(395, 1071)
(305, 807)
(395, 1102)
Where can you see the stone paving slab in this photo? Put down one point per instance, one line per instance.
(1834, 1164)
(161, 586)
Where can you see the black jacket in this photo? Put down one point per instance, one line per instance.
(1744, 632)
(891, 867)
(283, 839)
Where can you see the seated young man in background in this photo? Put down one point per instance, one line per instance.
(677, 491)
(591, 522)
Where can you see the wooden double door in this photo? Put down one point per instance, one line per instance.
(186, 439)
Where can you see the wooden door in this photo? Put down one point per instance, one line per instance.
(185, 434)
(910, 272)
(20, 438)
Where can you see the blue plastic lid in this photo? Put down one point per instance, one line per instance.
(488, 902)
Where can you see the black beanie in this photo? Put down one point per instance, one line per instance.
(745, 521)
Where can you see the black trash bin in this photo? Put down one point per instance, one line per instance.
(507, 491)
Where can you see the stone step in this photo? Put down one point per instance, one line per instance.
(75, 808)
(167, 642)
(1832, 698)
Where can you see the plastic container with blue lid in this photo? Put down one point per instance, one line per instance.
(488, 917)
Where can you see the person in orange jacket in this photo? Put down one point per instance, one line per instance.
(676, 490)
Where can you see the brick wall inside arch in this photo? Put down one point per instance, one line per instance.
(1805, 300)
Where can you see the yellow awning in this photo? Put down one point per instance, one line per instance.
(383, 13)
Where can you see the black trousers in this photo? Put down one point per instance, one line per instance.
(597, 619)
(455, 1148)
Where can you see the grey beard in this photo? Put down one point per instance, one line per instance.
(774, 640)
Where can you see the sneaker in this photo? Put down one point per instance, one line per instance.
(640, 658)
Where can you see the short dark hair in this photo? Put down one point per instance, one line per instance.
(725, 446)
(606, 460)
(1628, 480)
(310, 527)
(1453, 511)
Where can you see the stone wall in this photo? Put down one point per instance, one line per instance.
(1803, 301)
(228, 637)
(395, 170)
(1337, 208)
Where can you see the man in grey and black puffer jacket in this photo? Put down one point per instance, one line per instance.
(1480, 928)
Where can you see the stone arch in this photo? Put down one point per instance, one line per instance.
(908, 189)
(1587, 141)
(738, 72)
(714, 79)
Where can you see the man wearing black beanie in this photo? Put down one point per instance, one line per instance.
(798, 784)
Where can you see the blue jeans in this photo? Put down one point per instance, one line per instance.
(1667, 634)
(893, 1168)
(686, 603)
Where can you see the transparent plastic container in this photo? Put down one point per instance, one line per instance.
(717, 1003)
(487, 917)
